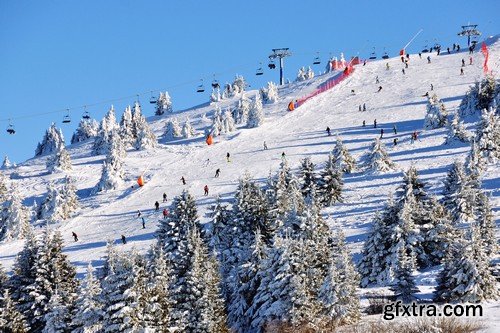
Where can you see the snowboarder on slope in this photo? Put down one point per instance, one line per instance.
(206, 189)
(157, 206)
(75, 236)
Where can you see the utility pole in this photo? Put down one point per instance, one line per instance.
(469, 30)
(280, 53)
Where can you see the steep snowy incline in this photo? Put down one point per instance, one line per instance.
(299, 134)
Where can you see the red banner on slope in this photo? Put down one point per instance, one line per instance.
(484, 49)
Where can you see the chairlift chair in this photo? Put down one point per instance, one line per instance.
(86, 114)
(66, 118)
(215, 84)
(153, 99)
(200, 88)
(425, 49)
(373, 55)
(10, 129)
(317, 61)
(259, 71)
(271, 65)
(385, 56)
(436, 46)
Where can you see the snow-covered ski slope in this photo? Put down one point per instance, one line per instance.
(299, 134)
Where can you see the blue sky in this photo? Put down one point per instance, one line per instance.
(60, 54)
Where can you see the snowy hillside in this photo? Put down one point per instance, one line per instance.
(302, 133)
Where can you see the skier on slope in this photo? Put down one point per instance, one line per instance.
(381, 133)
(143, 223)
(228, 157)
(283, 155)
(461, 71)
(328, 131)
(463, 62)
(265, 145)
(364, 106)
(164, 197)
(379, 89)
(157, 206)
(470, 60)
(375, 123)
(217, 173)
(165, 213)
(364, 124)
(183, 180)
(359, 108)
(75, 236)
(206, 189)
(428, 59)
(124, 240)
(394, 129)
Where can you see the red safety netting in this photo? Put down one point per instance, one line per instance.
(329, 84)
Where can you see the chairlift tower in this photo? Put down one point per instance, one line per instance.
(280, 53)
(469, 30)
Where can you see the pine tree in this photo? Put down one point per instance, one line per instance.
(86, 129)
(228, 124)
(11, 320)
(4, 190)
(404, 286)
(14, 219)
(304, 74)
(112, 171)
(53, 274)
(269, 94)
(466, 276)
(474, 162)
(172, 130)
(127, 128)
(107, 126)
(459, 194)
(488, 136)
(215, 312)
(187, 130)
(468, 105)
(456, 131)
(377, 159)
(216, 232)
(338, 292)
(239, 85)
(6, 163)
(143, 135)
(215, 95)
(486, 92)
(436, 113)
(330, 183)
(60, 201)
(240, 113)
(88, 306)
(255, 114)
(486, 224)
(342, 158)
(59, 161)
(282, 293)
(51, 142)
(163, 104)
(307, 176)
(58, 317)
(117, 302)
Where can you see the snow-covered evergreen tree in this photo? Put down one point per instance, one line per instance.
(307, 176)
(457, 131)
(51, 142)
(117, 301)
(269, 93)
(14, 217)
(60, 201)
(239, 85)
(88, 306)
(459, 194)
(342, 158)
(112, 171)
(144, 136)
(58, 317)
(127, 127)
(474, 163)
(486, 225)
(468, 105)
(163, 104)
(4, 190)
(228, 124)
(53, 274)
(377, 159)
(59, 161)
(11, 320)
(216, 231)
(240, 113)
(87, 128)
(486, 92)
(404, 286)
(304, 74)
(215, 95)
(466, 276)
(488, 136)
(107, 126)
(6, 163)
(256, 113)
(436, 113)
(172, 130)
(337, 294)
(187, 129)
(330, 184)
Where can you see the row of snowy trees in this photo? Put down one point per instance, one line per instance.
(304, 74)
(416, 231)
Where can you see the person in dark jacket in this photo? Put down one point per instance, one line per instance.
(157, 206)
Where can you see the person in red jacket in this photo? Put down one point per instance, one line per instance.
(165, 213)
(206, 189)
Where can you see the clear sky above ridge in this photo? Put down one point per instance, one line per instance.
(65, 54)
